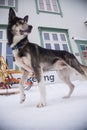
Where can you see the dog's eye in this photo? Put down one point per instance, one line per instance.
(21, 22)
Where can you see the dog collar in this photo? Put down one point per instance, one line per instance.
(19, 44)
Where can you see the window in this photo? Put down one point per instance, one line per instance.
(41, 4)
(55, 5)
(46, 36)
(56, 39)
(48, 6)
(5, 50)
(2, 2)
(9, 57)
(83, 48)
(8, 50)
(0, 48)
(2, 41)
(1, 35)
(9, 3)
(65, 47)
(62, 36)
(57, 47)
(9, 60)
(48, 45)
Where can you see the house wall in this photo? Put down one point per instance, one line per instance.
(73, 17)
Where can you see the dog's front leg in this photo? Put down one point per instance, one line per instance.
(22, 94)
(42, 91)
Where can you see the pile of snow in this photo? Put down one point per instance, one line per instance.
(59, 114)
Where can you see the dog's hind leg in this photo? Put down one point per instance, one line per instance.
(21, 86)
(64, 75)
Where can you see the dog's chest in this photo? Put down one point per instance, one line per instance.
(15, 53)
(26, 59)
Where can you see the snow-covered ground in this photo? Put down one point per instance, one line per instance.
(59, 114)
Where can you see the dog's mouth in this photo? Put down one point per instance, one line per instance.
(23, 31)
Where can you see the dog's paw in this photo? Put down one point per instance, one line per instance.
(22, 99)
(66, 97)
(39, 105)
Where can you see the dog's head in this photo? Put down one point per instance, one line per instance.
(17, 26)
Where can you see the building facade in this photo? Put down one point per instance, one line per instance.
(57, 24)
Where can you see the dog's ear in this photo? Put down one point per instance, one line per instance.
(12, 14)
(26, 18)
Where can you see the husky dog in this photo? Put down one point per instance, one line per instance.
(33, 58)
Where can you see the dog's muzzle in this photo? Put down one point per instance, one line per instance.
(26, 30)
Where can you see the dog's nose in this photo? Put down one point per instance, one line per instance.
(30, 28)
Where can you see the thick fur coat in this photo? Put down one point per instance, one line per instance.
(33, 58)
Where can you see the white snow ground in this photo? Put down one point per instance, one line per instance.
(59, 114)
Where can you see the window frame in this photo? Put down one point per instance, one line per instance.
(52, 30)
(78, 43)
(0, 48)
(50, 12)
(1, 36)
(9, 57)
(14, 7)
(4, 41)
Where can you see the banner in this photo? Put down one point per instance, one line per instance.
(49, 77)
